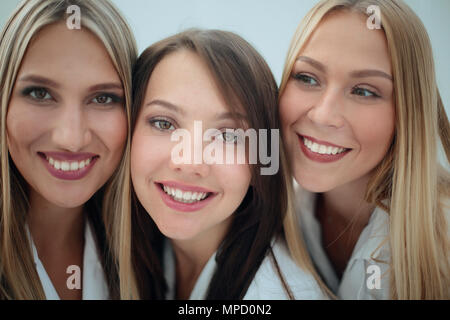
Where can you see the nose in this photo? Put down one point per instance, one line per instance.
(192, 170)
(71, 130)
(190, 161)
(328, 110)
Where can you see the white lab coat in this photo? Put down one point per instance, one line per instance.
(266, 285)
(358, 280)
(94, 285)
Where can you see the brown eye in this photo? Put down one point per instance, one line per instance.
(162, 125)
(103, 99)
(39, 94)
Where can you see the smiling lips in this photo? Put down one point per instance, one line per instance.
(68, 166)
(181, 197)
(321, 151)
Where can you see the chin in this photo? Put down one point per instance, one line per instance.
(68, 202)
(314, 184)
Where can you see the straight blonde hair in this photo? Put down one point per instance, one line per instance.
(18, 276)
(409, 179)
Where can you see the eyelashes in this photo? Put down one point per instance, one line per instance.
(43, 96)
(36, 93)
(306, 79)
(161, 124)
(166, 125)
(309, 81)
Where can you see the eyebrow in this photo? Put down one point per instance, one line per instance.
(106, 86)
(370, 73)
(316, 64)
(354, 74)
(39, 80)
(177, 109)
(165, 104)
(230, 116)
(50, 83)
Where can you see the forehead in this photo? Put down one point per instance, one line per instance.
(185, 80)
(342, 38)
(66, 55)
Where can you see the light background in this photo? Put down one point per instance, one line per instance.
(267, 24)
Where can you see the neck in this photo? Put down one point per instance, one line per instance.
(343, 213)
(54, 227)
(192, 255)
(347, 203)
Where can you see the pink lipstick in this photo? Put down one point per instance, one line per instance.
(68, 166)
(320, 157)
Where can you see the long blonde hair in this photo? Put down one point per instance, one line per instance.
(18, 277)
(409, 179)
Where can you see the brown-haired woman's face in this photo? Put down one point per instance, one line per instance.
(66, 122)
(188, 199)
(337, 109)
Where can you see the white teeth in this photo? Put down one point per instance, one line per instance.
(65, 166)
(68, 166)
(322, 149)
(184, 196)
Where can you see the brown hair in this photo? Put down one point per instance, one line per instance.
(246, 82)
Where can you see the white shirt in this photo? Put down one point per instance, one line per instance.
(266, 285)
(94, 285)
(358, 280)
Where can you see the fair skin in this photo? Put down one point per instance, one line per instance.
(180, 91)
(67, 104)
(340, 94)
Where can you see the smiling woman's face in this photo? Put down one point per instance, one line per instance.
(337, 108)
(66, 123)
(186, 201)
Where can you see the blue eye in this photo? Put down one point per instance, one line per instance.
(161, 124)
(307, 80)
(37, 93)
(365, 93)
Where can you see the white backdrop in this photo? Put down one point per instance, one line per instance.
(267, 24)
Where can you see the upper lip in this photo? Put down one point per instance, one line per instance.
(325, 143)
(184, 187)
(68, 156)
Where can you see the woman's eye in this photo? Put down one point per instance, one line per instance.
(39, 94)
(106, 99)
(228, 137)
(162, 125)
(103, 99)
(310, 81)
(363, 92)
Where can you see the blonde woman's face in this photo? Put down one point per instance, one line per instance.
(337, 109)
(66, 121)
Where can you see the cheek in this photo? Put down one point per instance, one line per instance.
(113, 131)
(234, 180)
(148, 152)
(374, 130)
(22, 128)
(294, 105)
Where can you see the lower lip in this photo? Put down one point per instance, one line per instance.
(180, 206)
(324, 158)
(69, 175)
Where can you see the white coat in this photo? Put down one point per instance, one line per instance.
(94, 285)
(370, 257)
(266, 285)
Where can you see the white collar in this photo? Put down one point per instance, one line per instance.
(369, 246)
(94, 284)
(201, 286)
